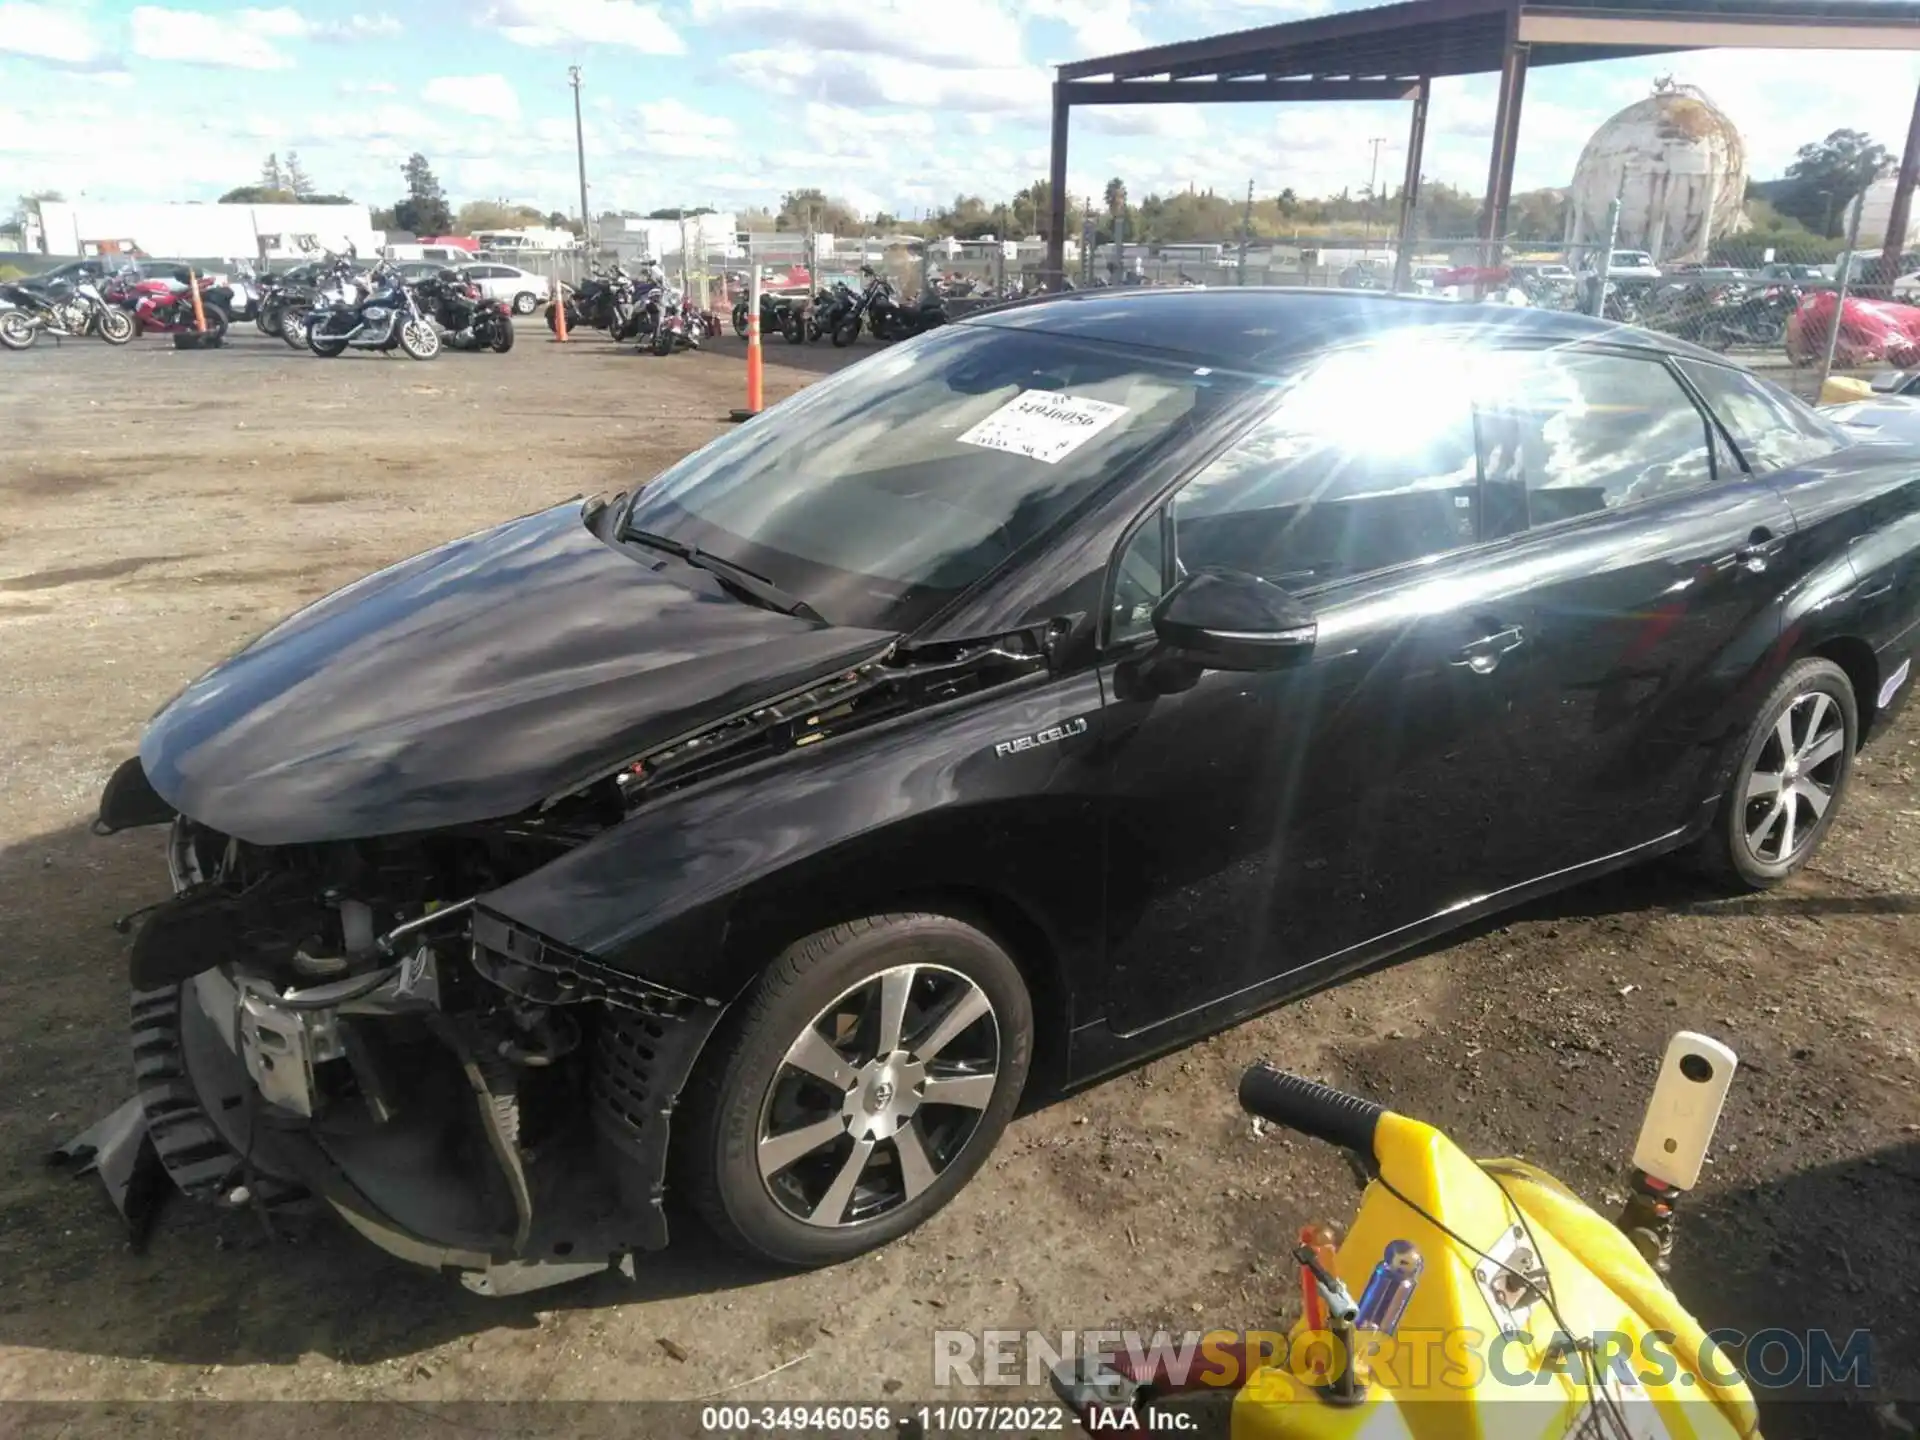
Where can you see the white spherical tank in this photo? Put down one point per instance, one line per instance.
(1679, 168)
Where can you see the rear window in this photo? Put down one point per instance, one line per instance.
(1773, 430)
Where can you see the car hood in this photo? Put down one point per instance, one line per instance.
(473, 682)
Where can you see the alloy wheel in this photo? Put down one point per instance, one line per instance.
(878, 1095)
(1791, 785)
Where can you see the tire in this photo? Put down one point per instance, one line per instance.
(215, 334)
(747, 1090)
(267, 320)
(662, 340)
(740, 323)
(17, 332)
(419, 339)
(845, 333)
(795, 329)
(114, 325)
(553, 319)
(525, 303)
(1814, 703)
(326, 347)
(502, 338)
(293, 328)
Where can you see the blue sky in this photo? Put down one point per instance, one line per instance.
(895, 104)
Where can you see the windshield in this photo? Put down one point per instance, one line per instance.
(882, 493)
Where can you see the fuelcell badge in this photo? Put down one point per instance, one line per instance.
(1064, 731)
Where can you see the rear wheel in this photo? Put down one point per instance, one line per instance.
(662, 339)
(845, 333)
(867, 1077)
(502, 338)
(525, 302)
(740, 323)
(267, 319)
(795, 328)
(1793, 770)
(325, 346)
(17, 332)
(292, 328)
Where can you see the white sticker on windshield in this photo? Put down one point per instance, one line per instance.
(1044, 425)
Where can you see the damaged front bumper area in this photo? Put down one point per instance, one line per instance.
(463, 1093)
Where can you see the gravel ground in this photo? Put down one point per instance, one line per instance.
(159, 508)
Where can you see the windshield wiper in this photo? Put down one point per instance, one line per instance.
(756, 588)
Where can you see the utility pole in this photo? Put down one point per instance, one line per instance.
(580, 150)
(1246, 230)
(1373, 176)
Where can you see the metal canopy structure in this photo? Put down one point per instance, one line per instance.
(1394, 52)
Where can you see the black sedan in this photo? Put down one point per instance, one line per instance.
(1036, 695)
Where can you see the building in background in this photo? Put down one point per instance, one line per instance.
(1679, 169)
(165, 228)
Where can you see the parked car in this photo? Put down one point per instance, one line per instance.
(1632, 265)
(1045, 692)
(522, 289)
(1782, 273)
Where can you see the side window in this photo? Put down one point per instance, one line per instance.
(1773, 430)
(1566, 434)
(1320, 490)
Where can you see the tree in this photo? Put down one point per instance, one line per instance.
(478, 215)
(297, 180)
(424, 211)
(677, 212)
(258, 195)
(1115, 196)
(272, 175)
(384, 219)
(812, 209)
(1825, 176)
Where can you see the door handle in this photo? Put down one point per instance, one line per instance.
(1754, 555)
(1482, 656)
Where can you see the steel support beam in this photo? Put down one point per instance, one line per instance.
(1506, 135)
(1410, 185)
(1217, 92)
(1895, 242)
(1056, 274)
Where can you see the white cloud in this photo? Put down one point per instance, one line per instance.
(359, 27)
(48, 32)
(976, 33)
(675, 130)
(490, 96)
(367, 87)
(1100, 27)
(549, 23)
(241, 42)
(1176, 122)
(846, 78)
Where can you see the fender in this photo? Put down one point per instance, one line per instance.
(698, 889)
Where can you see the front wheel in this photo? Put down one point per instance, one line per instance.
(419, 339)
(17, 332)
(267, 320)
(845, 333)
(502, 338)
(795, 329)
(1793, 770)
(292, 326)
(662, 339)
(115, 326)
(740, 323)
(868, 1075)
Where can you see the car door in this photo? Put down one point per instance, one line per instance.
(1647, 562)
(1259, 823)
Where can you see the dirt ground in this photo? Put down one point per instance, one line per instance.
(157, 509)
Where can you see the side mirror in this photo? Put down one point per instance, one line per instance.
(1230, 620)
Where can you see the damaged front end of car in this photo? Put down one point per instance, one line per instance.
(346, 1021)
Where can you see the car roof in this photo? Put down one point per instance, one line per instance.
(1266, 328)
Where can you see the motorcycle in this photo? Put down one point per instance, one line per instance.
(888, 319)
(829, 308)
(676, 325)
(334, 282)
(164, 305)
(65, 311)
(471, 321)
(603, 302)
(776, 315)
(846, 320)
(389, 317)
(1489, 1257)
